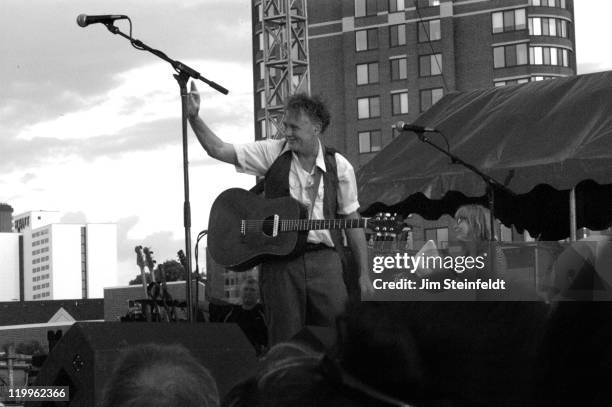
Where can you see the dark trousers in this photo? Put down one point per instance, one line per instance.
(305, 290)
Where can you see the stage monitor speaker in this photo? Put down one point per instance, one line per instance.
(84, 357)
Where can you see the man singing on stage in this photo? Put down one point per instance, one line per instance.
(307, 289)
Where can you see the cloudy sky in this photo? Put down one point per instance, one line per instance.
(89, 126)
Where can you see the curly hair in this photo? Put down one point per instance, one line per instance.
(312, 106)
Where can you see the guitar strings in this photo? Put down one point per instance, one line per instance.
(256, 224)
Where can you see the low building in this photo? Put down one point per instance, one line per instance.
(26, 321)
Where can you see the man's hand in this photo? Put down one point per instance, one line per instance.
(193, 101)
(365, 285)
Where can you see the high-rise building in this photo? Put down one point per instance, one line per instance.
(65, 261)
(6, 218)
(377, 62)
(10, 267)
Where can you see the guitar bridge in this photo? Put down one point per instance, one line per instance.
(275, 227)
(243, 227)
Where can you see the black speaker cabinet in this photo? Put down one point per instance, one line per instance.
(84, 357)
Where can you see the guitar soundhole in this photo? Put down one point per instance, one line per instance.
(268, 226)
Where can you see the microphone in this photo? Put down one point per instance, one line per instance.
(413, 127)
(84, 20)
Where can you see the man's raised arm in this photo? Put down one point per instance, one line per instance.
(214, 146)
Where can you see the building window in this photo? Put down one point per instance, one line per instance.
(430, 65)
(366, 39)
(370, 141)
(368, 108)
(397, 35)
(511, 82)
(438, 235)
(553, 27)
(509, 20)
(367, 73)
(430, 97)
(510, 55)
(549, 56)
(548, 3)
(399, 68)
(429, 31)
(541, 78)
(365, 8)
(396, 5)
(399, 103)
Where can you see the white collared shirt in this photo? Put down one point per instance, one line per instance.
(256, 158)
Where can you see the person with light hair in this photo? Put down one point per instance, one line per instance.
(153, 375)
(472, 230)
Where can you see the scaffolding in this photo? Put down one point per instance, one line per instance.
(284, 33)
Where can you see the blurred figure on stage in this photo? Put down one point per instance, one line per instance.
(249, 316)
(152, 375)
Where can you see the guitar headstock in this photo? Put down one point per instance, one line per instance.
(386, 224)
(149, 259)
(139, 259)
(182, 258)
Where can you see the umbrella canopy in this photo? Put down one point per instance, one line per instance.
(539, 139)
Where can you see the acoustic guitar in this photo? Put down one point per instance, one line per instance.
(245, 229)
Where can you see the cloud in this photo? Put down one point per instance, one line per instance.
(132, 116)
(27, 178)
(52, 66)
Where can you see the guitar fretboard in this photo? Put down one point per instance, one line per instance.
(296, 225)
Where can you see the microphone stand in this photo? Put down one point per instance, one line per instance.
(182, 76)
(491, 183)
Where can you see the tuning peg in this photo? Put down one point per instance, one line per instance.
(387, 214)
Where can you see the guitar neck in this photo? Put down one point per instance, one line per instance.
(296, 225)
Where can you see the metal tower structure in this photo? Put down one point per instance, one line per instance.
(284, 31)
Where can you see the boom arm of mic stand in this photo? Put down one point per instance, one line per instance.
(456, 160)
(178, 66)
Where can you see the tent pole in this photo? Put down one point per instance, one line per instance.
(572, 208)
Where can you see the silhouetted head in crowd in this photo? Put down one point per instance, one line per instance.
(153, 375)
(295, 375)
